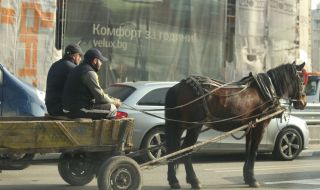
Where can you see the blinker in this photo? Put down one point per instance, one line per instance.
(304, 74)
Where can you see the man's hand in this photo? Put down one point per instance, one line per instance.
(117, 102)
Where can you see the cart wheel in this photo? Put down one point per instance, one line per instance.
(16, 157)
(76, 169)
(120, 172)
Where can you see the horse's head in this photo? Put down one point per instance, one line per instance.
(289, 81)
(298, 95)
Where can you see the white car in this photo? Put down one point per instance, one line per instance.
(285, 138)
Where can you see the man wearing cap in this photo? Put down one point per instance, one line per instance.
(57, 76)
(82, 95)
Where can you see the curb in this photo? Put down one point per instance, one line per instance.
(313, 149)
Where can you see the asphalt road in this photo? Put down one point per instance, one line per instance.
(226, 173)
(215, 172)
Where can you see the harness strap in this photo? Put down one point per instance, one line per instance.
(267, 88)
(196, 86)
(200, 85)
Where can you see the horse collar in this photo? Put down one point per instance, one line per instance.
(193, 82)
(267, 88)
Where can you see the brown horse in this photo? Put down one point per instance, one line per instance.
(196, 101)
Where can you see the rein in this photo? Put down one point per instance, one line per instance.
(146, 111)
(202, 123)
(200, 97)
(194, 100)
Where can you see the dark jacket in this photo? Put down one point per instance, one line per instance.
(56, 78)
(82, 89)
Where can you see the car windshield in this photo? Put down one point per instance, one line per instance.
(121, 92)
(311, 87)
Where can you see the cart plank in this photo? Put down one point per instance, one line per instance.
(46, 135)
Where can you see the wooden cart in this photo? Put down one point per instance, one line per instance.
(89, 148)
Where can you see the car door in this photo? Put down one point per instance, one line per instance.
(213, 147)
(234, 144)
(152, 103)
(156, 98)
(1, 92)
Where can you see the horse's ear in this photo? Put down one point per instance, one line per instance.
(294, 62)
(300, 67)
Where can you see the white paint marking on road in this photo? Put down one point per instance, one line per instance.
(302, 181)
(260, 168)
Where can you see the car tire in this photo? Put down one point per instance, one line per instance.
(288, 144)
(24, 158)
(154, 137)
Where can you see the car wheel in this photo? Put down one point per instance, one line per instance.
(154, 137)
(24, 158)
(288, 144)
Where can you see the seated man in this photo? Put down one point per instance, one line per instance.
(57, 76)
(82, 94)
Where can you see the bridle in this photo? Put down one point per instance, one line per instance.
(299, 84)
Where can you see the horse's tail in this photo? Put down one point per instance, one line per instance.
(170, 115)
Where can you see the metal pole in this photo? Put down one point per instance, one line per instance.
(223, 136)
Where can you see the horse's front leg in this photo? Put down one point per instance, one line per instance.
(173, 136)
(190, 139)
(253, 140)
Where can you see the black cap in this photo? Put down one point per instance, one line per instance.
(94, 53)
(72, 49)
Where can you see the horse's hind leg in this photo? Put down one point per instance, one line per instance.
(190, 139)
(252, 142)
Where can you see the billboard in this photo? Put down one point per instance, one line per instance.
(150, 39)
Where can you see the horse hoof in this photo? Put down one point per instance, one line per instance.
(175, 185)
(254, 184)
(196, 186)
(195, 183)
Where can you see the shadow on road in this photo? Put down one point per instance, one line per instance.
(207, 158)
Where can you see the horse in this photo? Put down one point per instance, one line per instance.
(197, 101)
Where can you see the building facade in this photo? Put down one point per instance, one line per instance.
(315, 55)
(159, 40)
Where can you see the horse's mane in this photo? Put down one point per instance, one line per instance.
(281, 76)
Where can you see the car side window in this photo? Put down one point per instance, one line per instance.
(154, 98)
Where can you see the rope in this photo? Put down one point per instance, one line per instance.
(194, 100)
(197, 122)
(250, 126)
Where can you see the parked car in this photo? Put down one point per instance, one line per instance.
(311, 113)
(313, 87)
(285, 138)
(18, 98)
